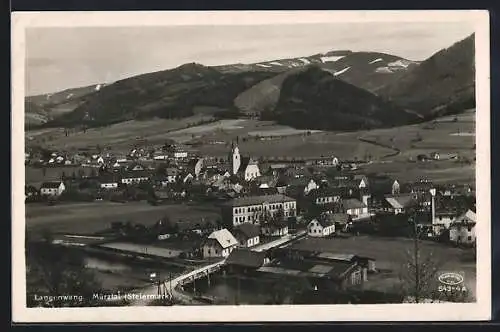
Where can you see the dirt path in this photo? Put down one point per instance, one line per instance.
(395, 153)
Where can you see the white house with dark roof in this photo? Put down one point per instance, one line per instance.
(247, 234)
(274, 228)
(463, 228)
(320, 227)
(354, 207)
(52, 188)
(254, 208)
(135, 177)
(109, 181)
(399, 203)
(219, 243)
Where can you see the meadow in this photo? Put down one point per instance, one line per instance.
(88, 218)
(392, 151)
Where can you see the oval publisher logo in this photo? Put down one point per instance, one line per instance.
(451, 279)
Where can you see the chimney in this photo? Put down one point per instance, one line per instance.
(433, 204)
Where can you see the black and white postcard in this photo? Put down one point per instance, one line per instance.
(251, 166)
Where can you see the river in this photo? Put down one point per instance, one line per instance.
(233, 289)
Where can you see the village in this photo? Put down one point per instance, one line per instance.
(269, 219)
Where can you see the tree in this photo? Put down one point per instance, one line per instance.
(420, 274)
(53, 272)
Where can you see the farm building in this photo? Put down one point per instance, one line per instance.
(53, 188)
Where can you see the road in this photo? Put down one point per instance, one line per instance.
(170, 286)
(278, 242)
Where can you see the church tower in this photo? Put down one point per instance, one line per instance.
(236, 158)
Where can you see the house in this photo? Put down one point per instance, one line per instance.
(180, 154)
(463, 229)
(320, 227)
(135, 177)
(442, 221)
(340, 220)
(435, 156)
(100, 160)
(324, 275)
(353, 207)
(255, 209)
(30, 192)
(159, 155)
(171, 174)
(327, 195)
(398, 204)
(266, 181)
(301, 186)
(108, 181)
(360, 181)
(380, 186)
(243, 260)
(281, 185)
(274, 228)
(219, 243)
(53, 188)
(247, 234)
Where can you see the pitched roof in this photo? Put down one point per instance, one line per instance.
(247, 229)
(467, 218)
(135, 175)
(328, 192)
(353, 203)
(246, 258)
(400, 201)
(255, 200)
(224, 238)
(51, 184)
(338, 217)
(108, 178)
(324, 222)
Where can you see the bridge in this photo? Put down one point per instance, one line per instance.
(171, 287)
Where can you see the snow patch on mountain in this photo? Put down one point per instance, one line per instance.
(69, 96)
(98, 87)
(305, 61)
(275, 63)
(331, 58)
(376, 60)
(263, 65)
(337, 73)
(384, 70)
(399, 63)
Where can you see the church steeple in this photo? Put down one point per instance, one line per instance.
(235, 158)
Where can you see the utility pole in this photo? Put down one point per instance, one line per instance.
(159, 284)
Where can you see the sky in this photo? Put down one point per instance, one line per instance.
(59, 58)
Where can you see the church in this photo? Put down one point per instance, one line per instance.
(244, 167)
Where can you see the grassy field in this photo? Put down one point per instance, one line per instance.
(34, 176)
(119, 137)
(85, 218)
(447, 135)
(392, 253)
